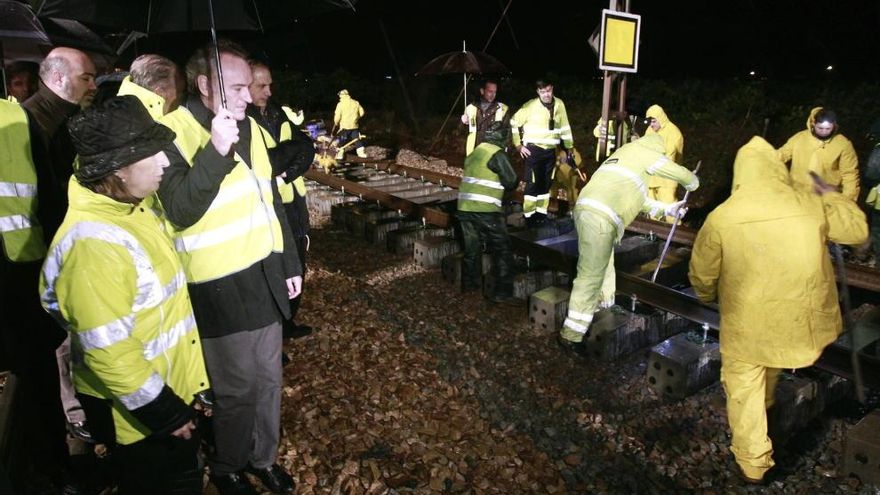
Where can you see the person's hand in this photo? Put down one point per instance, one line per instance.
(524, 151)
(677, 208)
(820, 186)
(464, 118)
(294, 286)
(185, 431)
(224, 131)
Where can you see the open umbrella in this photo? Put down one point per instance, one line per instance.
(67, 32)
(464, 63)
(21, 36)
(166, 16)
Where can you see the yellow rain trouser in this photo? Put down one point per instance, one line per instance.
(566, 178)
(750, 389)
(595, 279)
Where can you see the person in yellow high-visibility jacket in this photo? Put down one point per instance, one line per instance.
(539, 126)
(609, 202)
(763, 255)
(281, 124)
(659, 188)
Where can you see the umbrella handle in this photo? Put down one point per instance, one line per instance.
(217, 55)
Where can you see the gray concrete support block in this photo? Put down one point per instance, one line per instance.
(451, 267)
(340, 212)
(617, 332)
(357, 221)
(376, 231)
(524, 284)
(430, 251)
(683, 364)
(401, 241)
(635, 250)
(799, 398)
(548, 308)
(861, 450)
(325, 201)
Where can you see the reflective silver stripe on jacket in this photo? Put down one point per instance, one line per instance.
(592, 203)
(145, 394)
(233, 192)
(17, 190)
(482, 198)
(168, 339)
(14, 222)
(483, 182)
(654, 167)
(194, 242)
(150, 291)
(106, 335)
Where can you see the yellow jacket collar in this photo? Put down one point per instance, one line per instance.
(154, 103)
(86, 200)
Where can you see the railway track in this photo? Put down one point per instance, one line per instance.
(358, 178)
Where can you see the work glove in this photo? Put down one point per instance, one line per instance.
(677, 208)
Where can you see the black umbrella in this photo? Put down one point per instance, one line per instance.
(166, 16)
(67, 32)
(464, 63)
(21, 36)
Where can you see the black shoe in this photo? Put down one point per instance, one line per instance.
(576, 348)
(274, 478)
(233, 484)
(80, 430)
(285, 359)
(300, 331)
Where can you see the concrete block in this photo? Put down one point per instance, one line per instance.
(524, 284)
(683, 364)
(516, 219)
(339, 212)
(324, 202)
(800, 398)
(861, 450)
(674, 269)
(548, 308)
(419, 192)
(451, 267)
(401, 241)
(430, 251)
(357, 221)
(376, 231)
(634, 251)
(617, 332)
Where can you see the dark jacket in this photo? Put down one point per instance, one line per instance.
(53, 154)
(254, 297)
(299, 153)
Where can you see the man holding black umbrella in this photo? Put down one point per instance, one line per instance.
(230, 233)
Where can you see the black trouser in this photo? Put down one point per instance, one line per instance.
(158, 466)
(491, 228)
(875, 232)
(290, 325)
(538, 174)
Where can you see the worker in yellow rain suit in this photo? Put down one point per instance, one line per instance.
(610, 133)
(616, 193)
(348, 112)
(822, 149)
(762, 254)
(566, 176)
(664, 189)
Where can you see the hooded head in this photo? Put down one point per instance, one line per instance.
(822, 123)
(498, 134)
(655, 112)
(342, 94)
(757, 162)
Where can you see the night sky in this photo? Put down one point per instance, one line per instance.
(777, 39)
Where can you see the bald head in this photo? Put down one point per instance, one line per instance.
(70, 74)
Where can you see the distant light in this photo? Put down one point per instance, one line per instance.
(751, 73)
(830, 67)
(388, 77)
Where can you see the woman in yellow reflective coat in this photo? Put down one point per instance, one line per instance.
(762, 254)
(113, 279)
(820, 148)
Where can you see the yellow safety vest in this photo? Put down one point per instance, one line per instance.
(535, 120)
(480, 189)
(113, 280)
(285, 189)
(240, 227)
(21, 233)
